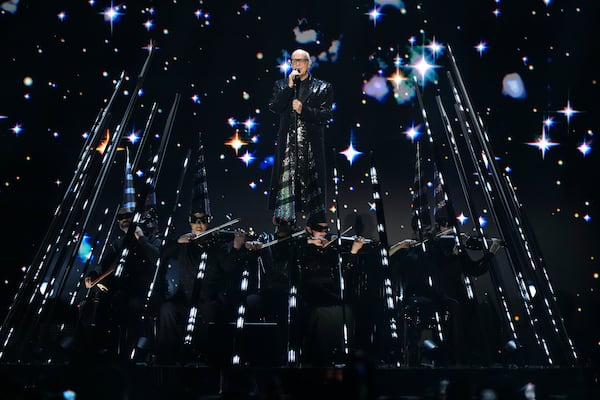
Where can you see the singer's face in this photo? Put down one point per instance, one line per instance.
(301, 61)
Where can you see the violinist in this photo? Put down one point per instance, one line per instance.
(432, 273)
(322, 311)
(116, 304)
(208, 278)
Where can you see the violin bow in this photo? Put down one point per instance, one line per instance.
(283, 239)
(341, 235)
(211, 230)
(100, 277)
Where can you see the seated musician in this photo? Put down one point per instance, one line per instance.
(432, 272)
(208, 267)
(116, 303)
(313, 264)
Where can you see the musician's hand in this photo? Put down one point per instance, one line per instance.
(138, 232)
(239, 238)
(254, 245)
(297, 106)
(319, 242)
(358, 243)
(406, 243)
(88, 282)
(102, 287)
(185, 238)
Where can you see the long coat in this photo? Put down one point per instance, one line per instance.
(317, 112)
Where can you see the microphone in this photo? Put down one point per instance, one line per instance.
(297, 77)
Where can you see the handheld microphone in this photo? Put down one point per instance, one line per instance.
(297, 77)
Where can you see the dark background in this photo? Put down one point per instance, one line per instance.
(229, 57)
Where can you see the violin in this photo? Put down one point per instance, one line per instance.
(212, 235)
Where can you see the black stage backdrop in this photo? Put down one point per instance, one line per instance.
(61, 60)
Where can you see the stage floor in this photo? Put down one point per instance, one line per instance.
(118, 380)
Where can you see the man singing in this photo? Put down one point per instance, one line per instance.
(305, 107)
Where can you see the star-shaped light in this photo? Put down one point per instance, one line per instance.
(374, 15)
(232, 121)
(548, 122)
(247, 158)
(284, 67)
(462, 218)
(196, 99)
(249, 124)
(397, 61)
(134, 136)
(111, 14)
(149, 24)
(17, 129)
(372, 206)
(435, 48)
(568, 111)
(351, 153)
(413, 132)
(584, 148)
(236, 142)
(481, 47)
(397, 78)
(543, 143)
(62, 15)
(422, 66)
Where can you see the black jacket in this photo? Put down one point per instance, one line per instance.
(317, 112)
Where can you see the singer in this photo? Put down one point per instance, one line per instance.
(304, 105)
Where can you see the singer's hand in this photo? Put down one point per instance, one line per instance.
(297, 106)
(293, 76)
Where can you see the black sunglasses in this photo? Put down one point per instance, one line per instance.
(124, 216)
(200, 220)
(319, 228)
